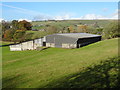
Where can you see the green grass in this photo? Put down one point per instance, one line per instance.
(72, 22)
(37, 69)
(5, 42)
(37, 34)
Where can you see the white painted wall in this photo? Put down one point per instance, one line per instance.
(15, 47)
(29, 45)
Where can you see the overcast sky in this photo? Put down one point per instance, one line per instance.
(59, 10)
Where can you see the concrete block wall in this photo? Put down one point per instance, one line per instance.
(68, 45)
(50, 45)
(29, 45)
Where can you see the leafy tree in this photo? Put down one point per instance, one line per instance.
(15, 25)
(99, 30)
(91, 29)
(70, 29)
(111, 30)
(51, 29)
(82, 28)
(95, 25)
(28, 36)
(5, 26)
(24, 25)
(8, 35)
(19, 36)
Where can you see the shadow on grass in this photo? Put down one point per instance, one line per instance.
(104, 75)
(13, 81)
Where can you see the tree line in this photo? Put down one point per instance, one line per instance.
(15, 31)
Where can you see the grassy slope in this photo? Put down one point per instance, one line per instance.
(39, 68)
(5, 42)
(37, 34)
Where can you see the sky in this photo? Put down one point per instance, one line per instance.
(58, 10)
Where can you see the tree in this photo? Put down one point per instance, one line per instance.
(28, 36)
(91, 29)
(8, 35)
(19, 36)
(99, 30)
(5, 26)
(111, 30)
(51, 29)
(15, 25)
(24, 25)
(82, 28)
(70, 29)
(95, 25)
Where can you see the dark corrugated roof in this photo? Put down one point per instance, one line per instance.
(67, 37)
(59, 39)
(78, 35)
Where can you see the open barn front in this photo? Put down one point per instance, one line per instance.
(86, 41)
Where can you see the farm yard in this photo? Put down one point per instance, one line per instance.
(57, 67)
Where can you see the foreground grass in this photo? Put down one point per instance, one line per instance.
(36, 69)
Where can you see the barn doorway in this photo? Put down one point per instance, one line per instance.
(44, 43)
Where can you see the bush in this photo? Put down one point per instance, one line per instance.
(111, 30)
(19, 36)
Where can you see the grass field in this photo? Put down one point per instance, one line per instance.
(5, 43)
(37, 34)
(52, 66)
(72, 22)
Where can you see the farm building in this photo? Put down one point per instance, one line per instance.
(66, 40)
(29, 45)
(71, 40)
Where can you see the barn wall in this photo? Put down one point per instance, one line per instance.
(65, 45)
(15, 47)
(27, 45)
(38, 43)
(73, 45)
(47, 44)
(58, 40)
(68, 45)
(50, 45)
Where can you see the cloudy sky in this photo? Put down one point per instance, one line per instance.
(59, 10)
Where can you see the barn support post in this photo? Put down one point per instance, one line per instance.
(33, 44)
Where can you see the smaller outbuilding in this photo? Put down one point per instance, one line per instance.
(71, 40)
(28, 45)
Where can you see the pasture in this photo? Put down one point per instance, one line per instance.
(55, 67)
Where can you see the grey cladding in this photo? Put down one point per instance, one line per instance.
(69, 38)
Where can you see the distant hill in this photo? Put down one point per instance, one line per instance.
(71, 22)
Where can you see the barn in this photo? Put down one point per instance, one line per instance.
(71, 40)
(28, 45)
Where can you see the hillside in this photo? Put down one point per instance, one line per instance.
(36, 69)
(71, 22)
